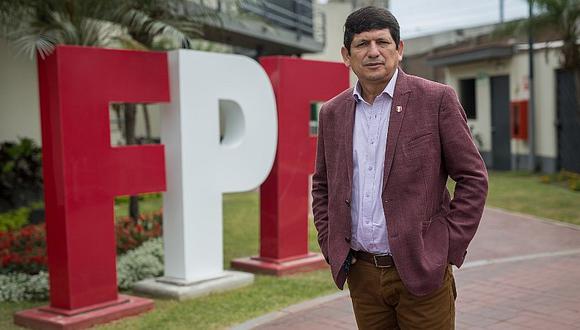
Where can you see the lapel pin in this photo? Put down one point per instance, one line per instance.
(399, 108)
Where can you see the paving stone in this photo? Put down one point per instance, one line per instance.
(542, 292)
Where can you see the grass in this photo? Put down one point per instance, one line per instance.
(147, 203)
(524, 193)
(8, 309)
(266, 295)
(515, 191)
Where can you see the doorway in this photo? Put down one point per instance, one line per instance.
(500, 123)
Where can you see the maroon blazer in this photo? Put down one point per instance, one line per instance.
(427, 141)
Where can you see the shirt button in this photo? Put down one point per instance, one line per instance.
(370, 168)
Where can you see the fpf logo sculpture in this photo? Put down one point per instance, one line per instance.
(266, 125)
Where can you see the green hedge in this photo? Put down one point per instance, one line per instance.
(20, 174)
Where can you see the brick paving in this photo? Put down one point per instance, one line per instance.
(521, 273)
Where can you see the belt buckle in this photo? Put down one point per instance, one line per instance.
(380, 255)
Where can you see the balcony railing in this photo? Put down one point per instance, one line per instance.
(299, 16)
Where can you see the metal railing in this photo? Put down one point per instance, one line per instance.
(299, 16)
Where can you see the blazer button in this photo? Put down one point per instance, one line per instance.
(347, 239)
(347, 201)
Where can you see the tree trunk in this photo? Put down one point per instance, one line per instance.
(117, 108)
(147, 123)
(134, 207)
(130, 119)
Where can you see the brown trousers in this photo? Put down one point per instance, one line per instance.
(381, 301)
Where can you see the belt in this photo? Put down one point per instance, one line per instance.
(379, 260)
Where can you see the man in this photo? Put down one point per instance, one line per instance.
(385, 220)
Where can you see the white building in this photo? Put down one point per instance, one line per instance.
(491, 77)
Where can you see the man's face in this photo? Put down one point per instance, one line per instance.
(373, 56)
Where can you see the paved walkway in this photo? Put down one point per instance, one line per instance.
(521, 273)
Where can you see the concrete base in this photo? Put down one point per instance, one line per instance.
(174, 288)
(55, 318)
(309, 262)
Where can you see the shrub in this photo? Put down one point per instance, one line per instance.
(570, 180)
(144, 262)
(574, 184)
(21, 286)
(14, 219)
(20, 174)
(24, 250)
(132, 233)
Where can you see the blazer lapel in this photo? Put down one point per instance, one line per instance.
(349, 128)
(398, 110)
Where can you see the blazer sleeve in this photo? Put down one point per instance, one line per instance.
(320, 190)
(466, 167)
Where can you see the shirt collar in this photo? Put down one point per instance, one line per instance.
(389, 89)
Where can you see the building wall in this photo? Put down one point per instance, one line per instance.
(417, 65)
(336, 14)
(545, 64)
(482, 72)
(140, 127)
(546, 102)
(19, 106)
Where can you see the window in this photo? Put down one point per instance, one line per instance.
(467, 97)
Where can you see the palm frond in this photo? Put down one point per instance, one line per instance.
(31, 43)
(126, 42)
(40, 25)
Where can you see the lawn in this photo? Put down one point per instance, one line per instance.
(524, 193)
(518, 192)
(147, 203)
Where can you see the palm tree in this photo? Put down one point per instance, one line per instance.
(38, 26)
(562, 17)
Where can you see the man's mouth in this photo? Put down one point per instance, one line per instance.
(374, 64)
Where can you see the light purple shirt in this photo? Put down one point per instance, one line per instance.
(371, 124)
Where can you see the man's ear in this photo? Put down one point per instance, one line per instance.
(400, 50)
(345, 56)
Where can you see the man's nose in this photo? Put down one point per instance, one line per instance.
(373, 49)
